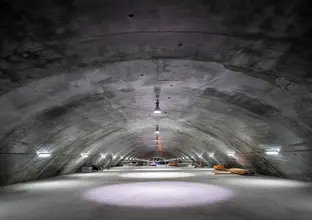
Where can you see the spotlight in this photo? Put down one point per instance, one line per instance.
(157, 130)
(114, 157)
(231, 154)
(103, 155)
(84, 155)
(211, 154)
(43, 154)
(275, 152)
(157, 109)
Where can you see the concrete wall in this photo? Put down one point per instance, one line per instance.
(83, 76)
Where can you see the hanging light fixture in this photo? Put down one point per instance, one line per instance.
(157, 130)
(157, 108)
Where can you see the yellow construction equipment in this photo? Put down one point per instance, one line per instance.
(222, 170)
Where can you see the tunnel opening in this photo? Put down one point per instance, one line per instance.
(164, 96)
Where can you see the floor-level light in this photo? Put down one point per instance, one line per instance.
(272, 152)
(231, 154)
(157, 108)
(84, 155)
(43, 154)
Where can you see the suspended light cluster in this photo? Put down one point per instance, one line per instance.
(157, 108)
(157, 111)
(157, 130)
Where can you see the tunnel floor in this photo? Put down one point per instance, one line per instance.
(157, 193)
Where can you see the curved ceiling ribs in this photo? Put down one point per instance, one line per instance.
(79, 77)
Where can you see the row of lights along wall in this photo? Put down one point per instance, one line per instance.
(85, 155)
(82, 155)
(157, 111)
(232, 154)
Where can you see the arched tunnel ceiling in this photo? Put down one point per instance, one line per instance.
(80, 77)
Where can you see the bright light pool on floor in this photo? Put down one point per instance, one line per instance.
(49, 185)
(157, 169)
(156, 175)
(159, 194)
(265, 183)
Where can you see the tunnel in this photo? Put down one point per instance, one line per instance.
(91, 83)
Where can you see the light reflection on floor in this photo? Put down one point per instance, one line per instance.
(268, 183)
(156, 175)
(101, 195)
(48, 185)
(157, 169)
(159, 194)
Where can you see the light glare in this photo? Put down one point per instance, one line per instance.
(271, 152)
(159, 194)
(44, 154)
(156, 175)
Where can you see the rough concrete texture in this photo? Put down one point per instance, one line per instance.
(90, 196)
(82, 76)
